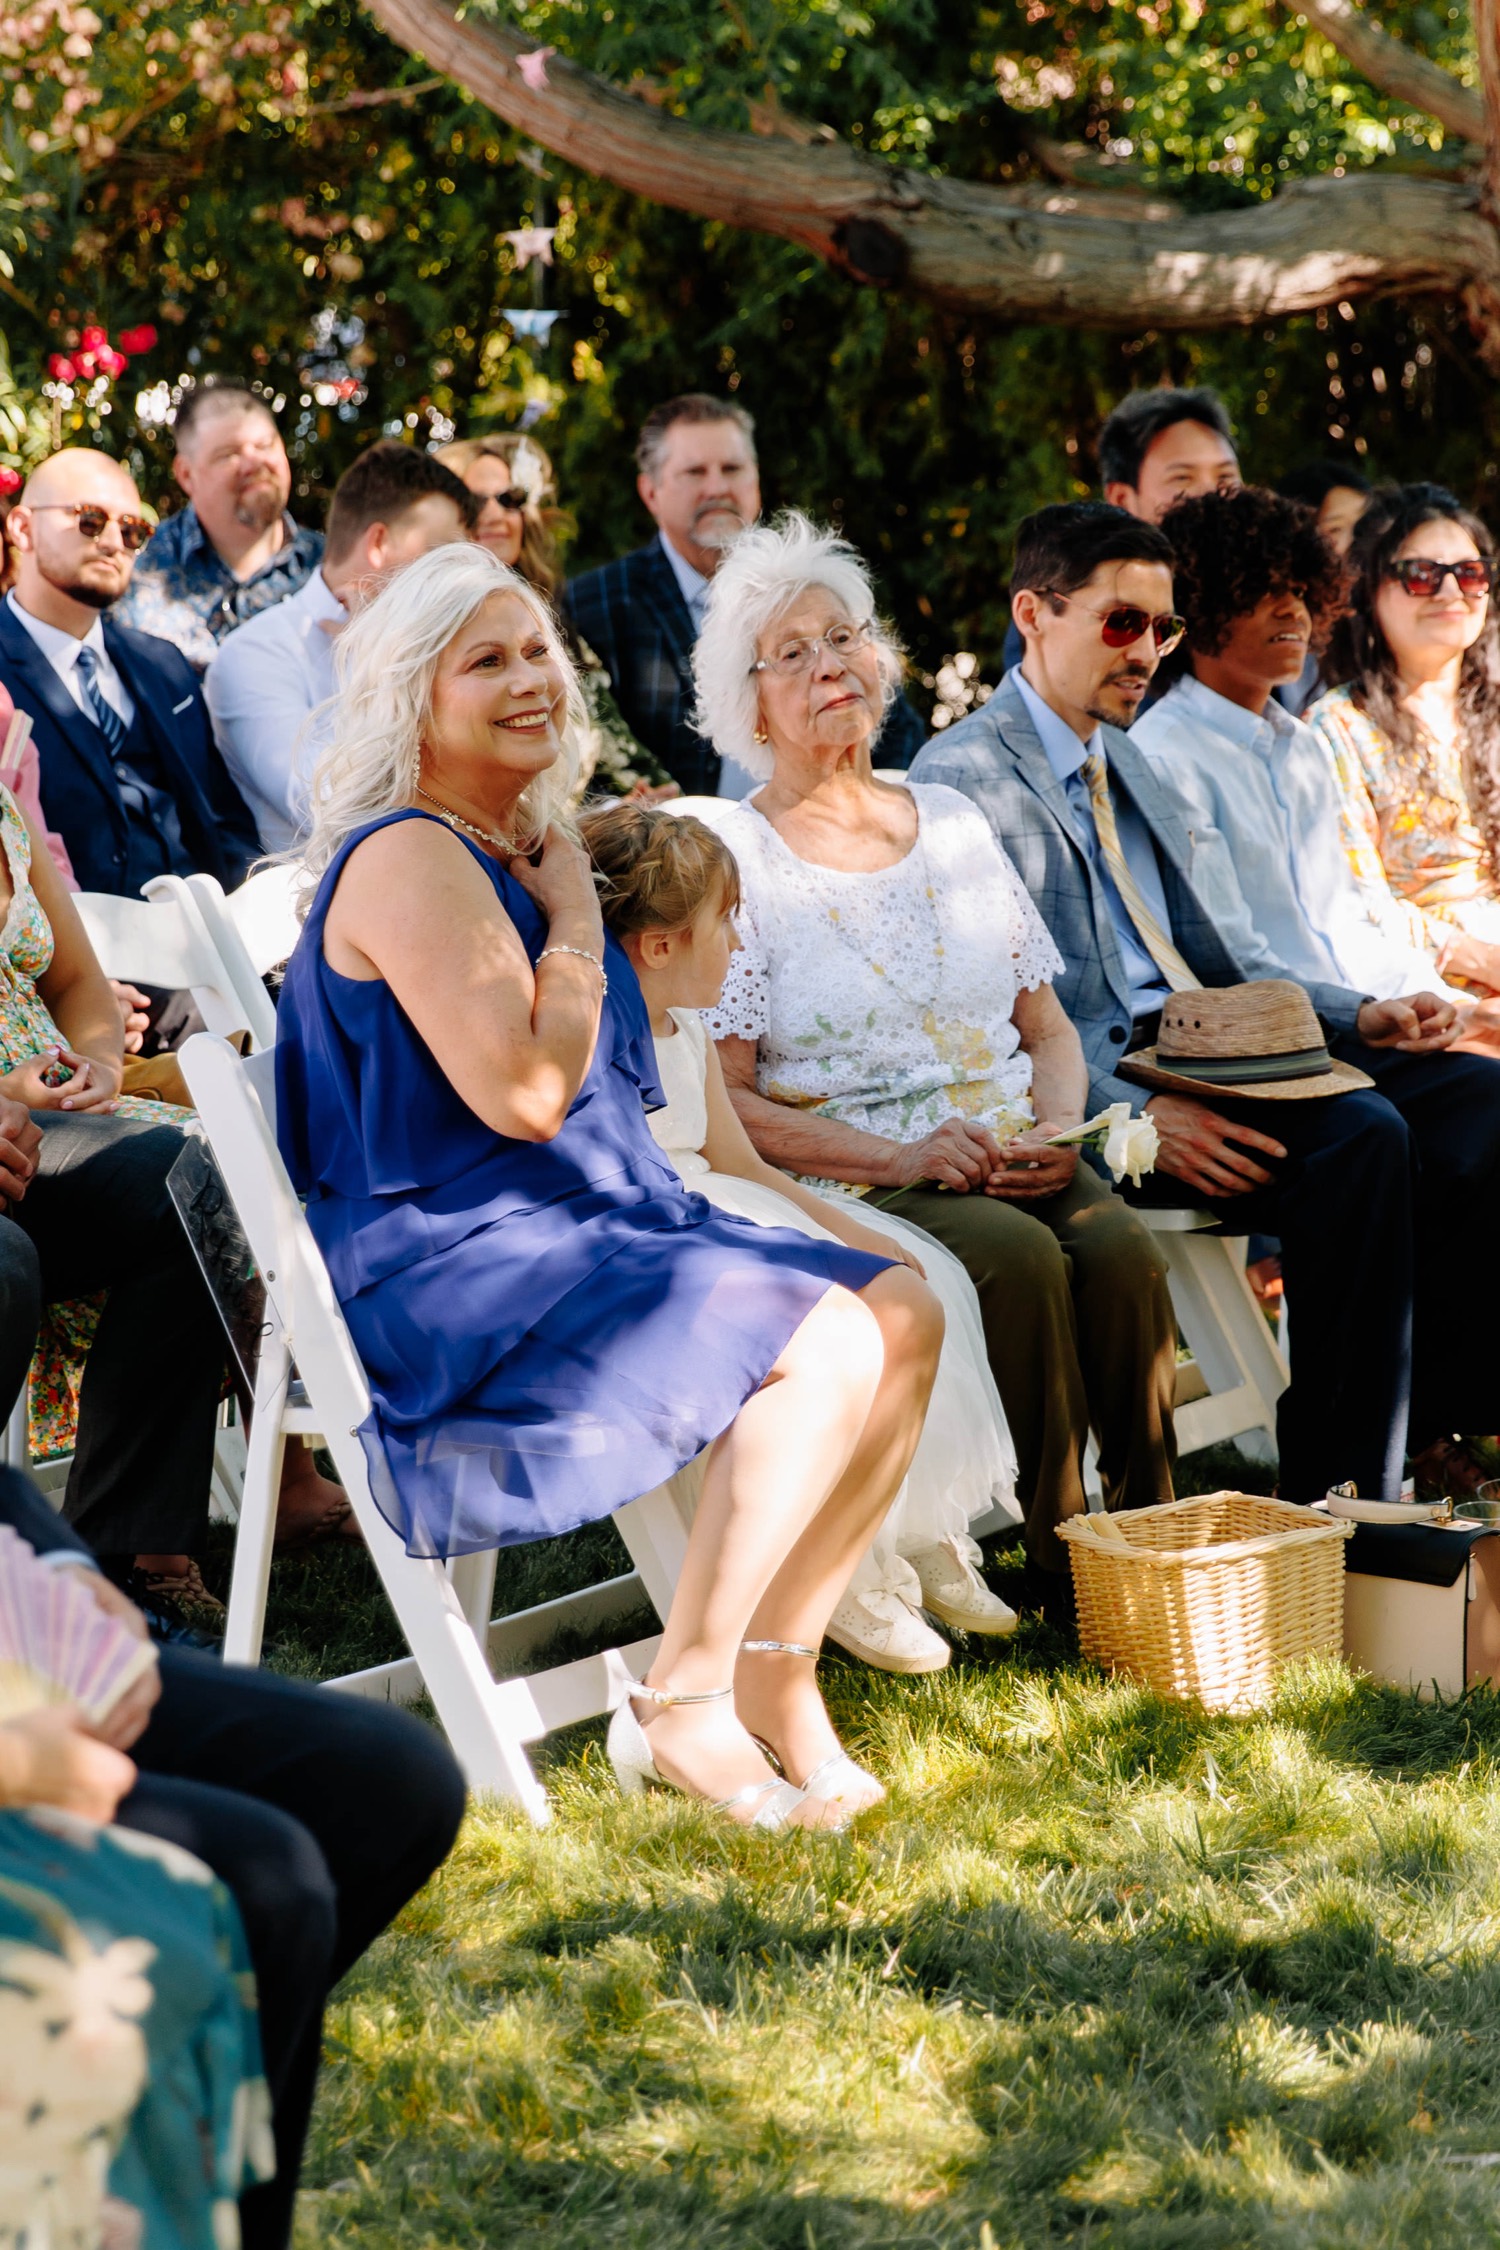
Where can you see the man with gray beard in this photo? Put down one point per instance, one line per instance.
(699, 481)
(233, 550)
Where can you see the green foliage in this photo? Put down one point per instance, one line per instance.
(238, 179)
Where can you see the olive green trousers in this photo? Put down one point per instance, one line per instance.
(1081, 1336)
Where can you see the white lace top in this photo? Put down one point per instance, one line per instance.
(885, 999)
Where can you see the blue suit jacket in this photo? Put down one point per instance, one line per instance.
(996, 758)
(633, 616)
(80, 795)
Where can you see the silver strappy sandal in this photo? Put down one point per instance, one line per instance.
(635, 1767)
(827, 1781)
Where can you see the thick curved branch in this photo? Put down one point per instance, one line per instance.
(1394, 68)
(1004, 253)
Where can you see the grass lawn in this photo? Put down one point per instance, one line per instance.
(1102, 1972)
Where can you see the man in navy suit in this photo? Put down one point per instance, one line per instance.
(642, 613)
(130, 776)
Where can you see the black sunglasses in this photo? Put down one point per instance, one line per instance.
(512, 497)
(1422, 574)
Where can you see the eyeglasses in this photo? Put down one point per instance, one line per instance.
(1123, 625)
(1421, 574)
(92, 522)
(512, 497)
(800, 656)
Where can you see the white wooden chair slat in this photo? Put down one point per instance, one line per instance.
(443, 1611)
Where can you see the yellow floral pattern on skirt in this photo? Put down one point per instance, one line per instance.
(26, 1028)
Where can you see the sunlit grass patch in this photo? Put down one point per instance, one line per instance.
(1102, 1971)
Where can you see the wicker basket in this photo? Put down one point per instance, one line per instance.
(1208, 1598)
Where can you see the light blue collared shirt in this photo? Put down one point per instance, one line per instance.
(1260, 800)
(268, 677)
(694, 586)
(1065, 755)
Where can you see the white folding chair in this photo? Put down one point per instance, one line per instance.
(161, 940)
(443, 1610)
(1230, 1386)
(254, 929)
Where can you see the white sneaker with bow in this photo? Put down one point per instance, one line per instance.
(954, 1591)
(879, 1628)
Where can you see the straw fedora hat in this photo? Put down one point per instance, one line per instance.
(1258, 1042)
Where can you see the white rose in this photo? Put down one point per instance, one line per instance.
(1131, 1144)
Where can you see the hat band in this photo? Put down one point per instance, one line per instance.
(1246, 1070)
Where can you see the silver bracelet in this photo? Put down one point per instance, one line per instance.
(580, 953)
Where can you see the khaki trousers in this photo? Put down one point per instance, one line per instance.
(1081, 1336)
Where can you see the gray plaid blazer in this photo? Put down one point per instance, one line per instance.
(996, 758)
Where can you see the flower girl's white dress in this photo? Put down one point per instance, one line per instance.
(965, 1462)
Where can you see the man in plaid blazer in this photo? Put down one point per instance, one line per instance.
(642, 613)
(1363, 1190)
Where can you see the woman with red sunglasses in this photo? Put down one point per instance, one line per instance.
(1414, 726)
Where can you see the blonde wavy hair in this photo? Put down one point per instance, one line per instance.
(386, 660)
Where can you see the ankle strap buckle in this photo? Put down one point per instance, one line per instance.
(668, 1696)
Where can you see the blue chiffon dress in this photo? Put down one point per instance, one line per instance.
(550, 1328)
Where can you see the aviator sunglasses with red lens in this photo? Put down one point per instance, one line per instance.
(1123, 625)
(1419, 574)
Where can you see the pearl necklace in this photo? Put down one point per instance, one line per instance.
(456, 820)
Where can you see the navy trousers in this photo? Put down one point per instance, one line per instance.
(1386, 1204)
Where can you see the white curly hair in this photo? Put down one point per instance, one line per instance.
(767, 569)
(386, 660)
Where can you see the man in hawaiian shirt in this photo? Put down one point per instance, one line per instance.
(233, 550)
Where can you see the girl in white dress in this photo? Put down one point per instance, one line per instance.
(668, 890)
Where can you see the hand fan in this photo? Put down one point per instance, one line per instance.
(56, 1644)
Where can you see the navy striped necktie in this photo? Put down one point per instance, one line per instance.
(111, 725)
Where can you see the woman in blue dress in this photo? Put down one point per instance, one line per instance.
(550, 1323)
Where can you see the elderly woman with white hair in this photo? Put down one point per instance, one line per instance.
(550, 1322)
(890, 1023)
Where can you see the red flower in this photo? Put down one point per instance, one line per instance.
(93, 339)
(61, 370)
(135, 341)
(11, 480)
(85, 363)
(113, 362)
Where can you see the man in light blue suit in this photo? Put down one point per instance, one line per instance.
(1367, 1191)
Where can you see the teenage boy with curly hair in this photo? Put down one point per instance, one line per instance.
(1260, 586)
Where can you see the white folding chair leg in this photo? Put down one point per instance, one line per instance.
(1228, 1336)
(484, 1723)
(473, 1579)
(256, 1536)
(655, 1531)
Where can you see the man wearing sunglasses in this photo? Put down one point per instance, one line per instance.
(1109, 860)
(395, 503)
(130, 777)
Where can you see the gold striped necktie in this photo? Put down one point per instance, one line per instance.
(1150, 932)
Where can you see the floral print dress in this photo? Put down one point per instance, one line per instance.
(26, 1028)
(1405, 822)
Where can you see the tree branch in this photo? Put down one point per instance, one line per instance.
(1394, 68)
(1487, 39)
(983, 249)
